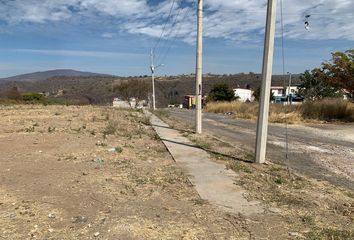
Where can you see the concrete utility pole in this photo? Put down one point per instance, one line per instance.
(262, 127)
(289, 93)
(152, 68)
(199, 71)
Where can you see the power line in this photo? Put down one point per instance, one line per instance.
(169, 34)
(174, 39)
(164, 27)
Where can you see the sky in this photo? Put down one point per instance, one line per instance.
(115, 36)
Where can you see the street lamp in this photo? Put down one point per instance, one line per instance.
(152, 68)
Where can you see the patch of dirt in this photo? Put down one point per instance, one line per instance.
(69, 172)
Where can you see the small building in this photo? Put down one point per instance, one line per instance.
(189, 101)
(245, 95)
(279, 91)
(286, 95)
(118, 103)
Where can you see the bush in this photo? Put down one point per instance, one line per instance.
(32, 97)
(221, 92)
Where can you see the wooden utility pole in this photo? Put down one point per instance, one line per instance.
(262, 126)
(199, 71)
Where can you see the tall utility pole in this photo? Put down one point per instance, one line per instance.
(289, 91)
(199, 72)
(262, 127)
(152, 68)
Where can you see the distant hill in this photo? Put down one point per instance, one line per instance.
(37, 76)
(100, 89)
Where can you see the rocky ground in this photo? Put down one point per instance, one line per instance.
(96, 173)
(83, 172)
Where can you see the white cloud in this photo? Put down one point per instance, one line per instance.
(74, 53)
(237, 20)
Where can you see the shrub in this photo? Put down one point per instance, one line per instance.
(32, 97)
(221, 92)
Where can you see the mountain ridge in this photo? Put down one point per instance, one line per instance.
(43, 75)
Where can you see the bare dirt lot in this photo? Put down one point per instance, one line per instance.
(85, 172)
(96, 173)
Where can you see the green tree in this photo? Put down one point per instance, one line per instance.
(138, 89)
(314, 88)
(32, 97)
(257, 94)
(339, 71)
(222, 92)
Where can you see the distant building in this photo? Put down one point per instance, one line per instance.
(118, 103)
(287, 95)
(245, 95)
(279, 91)
(189, 101)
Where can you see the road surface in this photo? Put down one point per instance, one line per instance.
(323, 152)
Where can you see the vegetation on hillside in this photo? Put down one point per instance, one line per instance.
(101, 90)
(221, 92)
(138, 89)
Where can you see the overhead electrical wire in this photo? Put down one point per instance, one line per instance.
(171, 36)
(164, 27)
(169, 42)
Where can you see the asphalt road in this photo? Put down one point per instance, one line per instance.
(323, 152)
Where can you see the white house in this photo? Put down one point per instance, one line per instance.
(278, 91)
(118, 103)
(244, 94)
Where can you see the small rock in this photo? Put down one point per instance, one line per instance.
(51, 215)
(274, 210)
(79, 219)
(296, 234)
(50, 230)
(40, 151)
(85, 173)
(96, 234)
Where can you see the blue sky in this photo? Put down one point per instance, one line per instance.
(115, 36)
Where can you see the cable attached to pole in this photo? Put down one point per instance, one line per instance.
(285, 94)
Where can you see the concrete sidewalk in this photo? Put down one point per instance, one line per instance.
(212, 181)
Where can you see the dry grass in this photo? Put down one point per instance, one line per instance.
(325, 110)
(329, 110)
